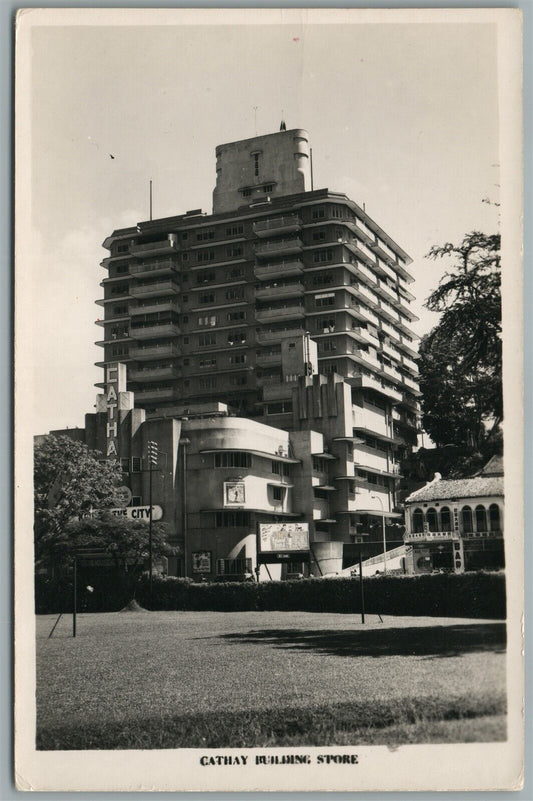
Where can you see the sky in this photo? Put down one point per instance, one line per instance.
(401, 117)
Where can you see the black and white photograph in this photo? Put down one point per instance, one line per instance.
(268, 413)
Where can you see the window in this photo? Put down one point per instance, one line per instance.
(120, 309)
(203, 235)
(120, 350)
(122, 267)
(235, 272)
(233, 251)
(122, 248)
(322, 278)
(278, 494)
(246, 192)
(207, 298)
(319, 465)
(234, 230)
(125, 465)
(466, 515)
(119, 289)
(329, 368)
(282, 407)
(326, 324)
(322, 255)
(418, 521)
(432, 520)
(207, 363)
(235, 293)
(236, 316)
(281, 468)
(327, 346)
(238, 380)
(205, 276)
(319, 236)
(336, 211)
(233, 459)
(318, 213)
(185, 257)
(185, 235)
(445, 519)
(136, 464)
(234, 519)
(185, 340)
(237, 337)
(268, 188)
(481, 518)
(326, 299)
(137, 500)
(255, 157)
(209, 382)
(205, 255)
(186, 362)
(185, 298)
(237, 358)
(209, 319)
(494, 515)
(205, 340)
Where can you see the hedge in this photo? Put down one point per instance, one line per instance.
(474, 595)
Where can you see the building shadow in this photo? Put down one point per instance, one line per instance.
(426, 641)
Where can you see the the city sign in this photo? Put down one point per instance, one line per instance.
(138, 512)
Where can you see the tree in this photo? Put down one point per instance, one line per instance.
(461, 358)
(124, 541)
(69, 482)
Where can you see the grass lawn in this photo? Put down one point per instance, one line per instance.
(250, 679)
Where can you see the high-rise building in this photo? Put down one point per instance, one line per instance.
(289, 306)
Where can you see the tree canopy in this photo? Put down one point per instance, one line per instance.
(461, 357)
(69, 482)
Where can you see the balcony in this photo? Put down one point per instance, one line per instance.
(156, 394)
(388, 312)
(384, 268)
(389, 350)
(365, 273)
(267, 337)
(280, 313)
(154, 288)
(366, 358)
(167, 245)
(389, 292)
(155, 331)
(285, 247)
(391, 372)
(169, 305)
(282, 269)
(283, 291)
(383, 250)
(369, 382)
(289, 223)
(268, 358)
(409, 382)
(153, 374)
(165, 350)
(371, 297)
(365, 312)
(163, 267)
(366, 252)
(412, 365)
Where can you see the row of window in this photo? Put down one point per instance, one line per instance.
(442, 520)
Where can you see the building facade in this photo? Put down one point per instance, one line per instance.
(457, 524)
(267, 344)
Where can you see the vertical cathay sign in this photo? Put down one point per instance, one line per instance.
(112, 402)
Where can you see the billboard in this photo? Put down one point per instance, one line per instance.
(234, 493)
(201, 561)
(283, 537)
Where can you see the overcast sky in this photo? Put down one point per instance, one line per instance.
(403, 118)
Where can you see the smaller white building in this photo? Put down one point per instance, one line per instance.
(457, 524)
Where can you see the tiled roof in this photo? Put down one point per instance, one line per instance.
(494, 467)
(477, 487)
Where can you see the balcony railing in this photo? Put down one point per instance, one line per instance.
(168, 305)
(285, 246)
(153, 374)
(146, 331)
(167, 245)
(154, 288)
(149, 394)
(289, 222)
(282, 291)
(268, 358)
(147, 268)
(161, 351)
(280, 313)
(276, 336)
(279, 270)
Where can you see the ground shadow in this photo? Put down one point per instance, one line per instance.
(428, 641)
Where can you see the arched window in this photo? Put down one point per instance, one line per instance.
(431, 517)
(445, 519)
(494, 515)
(481, 518)
(418, 521)
(466, 515)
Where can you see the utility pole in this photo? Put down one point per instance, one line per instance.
(152, 460)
